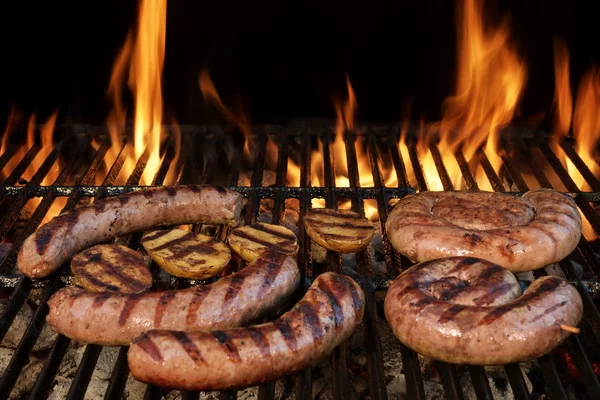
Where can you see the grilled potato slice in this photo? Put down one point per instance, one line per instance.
(250, 241)
(343, 231)
(111, 268)
(187, 254)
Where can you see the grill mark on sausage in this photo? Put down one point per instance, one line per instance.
(227, 346)
(145, 343)
(273, 246)
(99, 206)
(452, 291)
(473, 239)
(451, 313)
(188, 346)
(45, 234)
(425, 301)
(287, 333)
(465, 263)
(154, 235)
(341, 282)
(221, 189)
(338, 315)
(272, 270)
(95, 281)
(75, 297)
(171, 191)
(161, 306)
(283, 235)
(490, 271)
(200, 293)
(492, 294)
(260, 340)
(311, 318)
(237, 281)
(147, 193)
(123, 200)
(499, 311)
(130, 304)
(100, 299)
(549, 310)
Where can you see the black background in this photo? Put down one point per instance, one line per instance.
(284, 59)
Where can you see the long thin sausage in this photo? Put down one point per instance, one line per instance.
(65, 235)
(116, 319)
(327, 315)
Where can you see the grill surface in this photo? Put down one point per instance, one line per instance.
(75, 183)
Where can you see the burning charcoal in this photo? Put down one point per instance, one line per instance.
(27, 378)
(5, 356)
(18, 327)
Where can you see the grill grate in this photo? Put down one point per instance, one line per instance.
(75, 184)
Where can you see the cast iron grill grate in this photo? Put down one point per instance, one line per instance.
(76, 183)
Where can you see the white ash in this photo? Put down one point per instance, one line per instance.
(18, 327)
(27, 378)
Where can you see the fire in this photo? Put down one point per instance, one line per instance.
(140, 60)
(586, 123)
(563, 99)
(490, 79)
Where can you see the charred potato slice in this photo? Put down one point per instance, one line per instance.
(187, 254)
(111, 268)
(251, 241)
(343, 231)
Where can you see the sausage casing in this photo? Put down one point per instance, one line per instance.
(112, 319)
(328, 314)
(56, 242)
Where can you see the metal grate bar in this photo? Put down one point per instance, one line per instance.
(441, 168)
(7, 155)
(450, 380)
(480, 383)
(517, 383)
(588, 375)
(525, 153)
(551, 378)
(514, 173)
(583, 169)
(22, 166)
(416, 164)
(303, 388)
(50, 368)
(397, 159)
(466, 171)
(118, 378)
(489, 171)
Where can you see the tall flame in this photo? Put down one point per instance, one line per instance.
(563, 100)
(586, 122)
(143, 53)
(489, 82)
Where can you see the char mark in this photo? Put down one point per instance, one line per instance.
(227, 346)
(260, 340)
(349, 225)
(99, 206)
(130, 303)
(473, 238)
(221, 189)
(200, 293)
(235, 285)
(492, 295)
(490, 271)
(311, 319)
(271, 272)
(147, 193)
(273, 232)
(149, 347)
(195, 188)
(333, 298)
(155, 235)
(549, 310)
(171, 191)
(451, 313)
(123, 199)
(188, 346)
(95, 281)
(100, 299)
(273, 246)
(111, 270)
(287, 333)
(161, 306)
(499, 311)
(175, 242)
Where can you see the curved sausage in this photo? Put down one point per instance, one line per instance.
(56, 242)
(327, 315)
(113, 319)
(466, 311)
(521, 234)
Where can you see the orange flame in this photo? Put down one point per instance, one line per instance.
(490, 80)
(143, 52)
(563, 99)
(586, 123)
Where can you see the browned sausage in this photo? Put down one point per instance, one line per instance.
(328, 314)
(116, 319)
(521, 234)
(57, 241)
(468, 311)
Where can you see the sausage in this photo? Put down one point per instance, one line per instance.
(113, 319)
(223, 359)
(521, 234)
(65, 235)
(465, 310)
